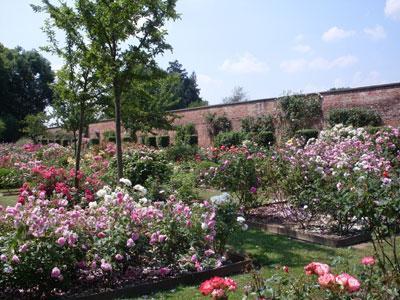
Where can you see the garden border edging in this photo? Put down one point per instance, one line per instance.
(314, 238)
(242, 264)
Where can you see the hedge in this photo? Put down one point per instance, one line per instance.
(307, 134)
(357, 117)
(232, 138)
(163, 141)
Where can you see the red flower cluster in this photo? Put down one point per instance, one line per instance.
(217, 287)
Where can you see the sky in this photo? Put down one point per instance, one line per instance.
(268, 47)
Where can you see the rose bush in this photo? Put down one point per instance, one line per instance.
(48, 248)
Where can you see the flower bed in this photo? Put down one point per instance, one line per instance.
(278, 219)
(50, 248)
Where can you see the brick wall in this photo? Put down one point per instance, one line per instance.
(385, 99)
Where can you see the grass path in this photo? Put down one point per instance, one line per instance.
(270, 251)
(7, 200)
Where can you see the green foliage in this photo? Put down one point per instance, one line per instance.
(94, 141)
(109, 135)
(34, 125)
(237, 174)
(193, 140)
(163, 141)
(10, 178)
(263, 123)
(232, 138)
(217, 124)
(2, 128)
(357, 117)
(307, 134)
(184, 133)
(263, 138)
(179, 152)
(25, 79)
(185, 89)
(139, 168)
(127, 139)
(300, 111)
(151, 141)
(183, 184)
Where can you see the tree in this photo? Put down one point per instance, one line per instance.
(78, 87)
(122, 34)
(186, 89)
(25, 79)
(238, 95)
(146, 104)
(34, 125)
(2, 128)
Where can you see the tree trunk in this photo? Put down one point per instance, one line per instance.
(75, 141)
(78, 149)
(117, 96)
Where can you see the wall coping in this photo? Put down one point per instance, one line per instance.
(272, 99)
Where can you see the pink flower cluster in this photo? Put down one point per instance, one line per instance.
(330, 281)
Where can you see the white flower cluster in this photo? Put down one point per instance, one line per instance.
(126, 181)
(242, 223)
(220, 199)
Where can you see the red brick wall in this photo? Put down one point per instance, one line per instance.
(385, 99)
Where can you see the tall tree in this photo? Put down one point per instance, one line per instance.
(25, 79)
(238, 95)
(34, 125)
(186, 89)
(122, 35)
(78, 87)
(146, 104)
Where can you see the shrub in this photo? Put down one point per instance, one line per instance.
(232, 138)
(138, 167)
(263, 123)
(193, 140)
(217, 124)
(263, 138)
(357, 117)
(307, 134)
(120, 235)
(163, 141)
(180, 152)
(151, 141)
(9, 179)
(94, 141)
(184, 132)
(184, 186)
(238, 175)
(108, 134)
(127, 139)
(299, 111)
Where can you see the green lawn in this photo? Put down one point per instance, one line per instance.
(7, 200)
(269, 251)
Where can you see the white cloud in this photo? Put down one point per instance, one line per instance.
(302, 48)
(205, 80)
(375, 33)
(294, 65)
(319, 63)
(244, 64)
(392, 9)
(326, 64)
(336, 33)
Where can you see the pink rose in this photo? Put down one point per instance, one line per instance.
(353, 285)
(368, 261)
(105, 266)
(119, 257)
(61, 241)
(55, 273)
(209, 252)
(326, 280)
(316, 268)
(15, 259)
(130, 243)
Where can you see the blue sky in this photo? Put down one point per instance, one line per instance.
(265, 46)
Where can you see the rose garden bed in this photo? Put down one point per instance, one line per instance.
(236, 264)
(272, 218)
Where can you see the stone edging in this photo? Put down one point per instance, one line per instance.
(326, 240)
